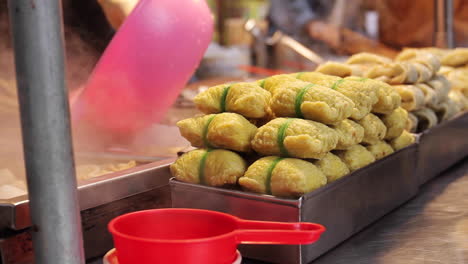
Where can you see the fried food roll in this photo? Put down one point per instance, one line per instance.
(310, 101)
(292, 137)
(395, 122)
(216, 167)
(459, 99)
(387, 98)
(417, 56)
(246, 99)
(458, 79)
(374, 129)
(412, 98)
(456, 57)
(275, 81)
(441, 86)
(356, 157)
(335, 69)
(394, 73)
(380, 150)
(362, 95)
(332, 166)
(430, 96)
(283, 177)
(426, 119)
(368, 58)
(446, 110)
(411, 123)
(349, 133)
(404, 140)
(226, 130)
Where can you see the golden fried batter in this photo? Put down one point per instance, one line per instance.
(426, 119)
(209, 167)
(349, 133)
(356, 157)
(412, 98)
(314, 102)
(362, 95)
(404, 140)
(395, 122)
(374, 129)
(292, 137)
(380, 150)
(226, 130)
(282, 177)
(335, 69)
(247, 99)
(332, 166)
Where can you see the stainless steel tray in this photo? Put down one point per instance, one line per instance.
(344, 207)
(14, 213)
(442, 146)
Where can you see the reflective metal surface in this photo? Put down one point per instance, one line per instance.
(442, 146)
(431, 228)
(344, 207)
(14, 213)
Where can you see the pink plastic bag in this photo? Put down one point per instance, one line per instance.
(148, 62)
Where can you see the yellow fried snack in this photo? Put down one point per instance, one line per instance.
(226, 130)
(314, 102)
(412, 98)
(380, 150)
(368, 58)
(332, 166)
(426, 119)
(430, 96)
(458, 79)
(374, 129)
(272, 82)
(247, 99)
(446, 110)
(216, 167)
(456, 57)
(335, 69)
(356, 157)
(292, 137)
(388, 98)
(282, 177)
(395, 122)
(349, 133)
(441, 86)
(363, 96)
(459, 99)
(411, 123)
(404, 140)
(421, 58)
(394, 73)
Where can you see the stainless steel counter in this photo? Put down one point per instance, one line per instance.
(431, 228)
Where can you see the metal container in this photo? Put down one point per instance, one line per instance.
(442, 146)
(101, 199)
(344, 207)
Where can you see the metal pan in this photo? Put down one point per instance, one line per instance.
(442, 146)
(345, 206)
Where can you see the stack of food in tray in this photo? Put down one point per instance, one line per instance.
(290, 134)
(417, 75)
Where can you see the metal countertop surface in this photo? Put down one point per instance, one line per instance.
(430, 228)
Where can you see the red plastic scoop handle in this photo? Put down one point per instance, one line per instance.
(262, 232)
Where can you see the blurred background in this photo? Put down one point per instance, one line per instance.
(253, 39)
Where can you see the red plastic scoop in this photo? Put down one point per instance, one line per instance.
(182, 236)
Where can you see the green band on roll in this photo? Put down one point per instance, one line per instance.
(282, 135)
(262, 83)
(337, 83)
(205, 132)
(300, 99)
(298, 76)
(269, 173)
(223, 98)
(201, 167)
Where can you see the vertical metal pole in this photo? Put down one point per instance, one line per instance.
(443, 24)
(45, 119)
